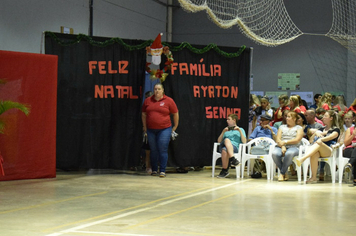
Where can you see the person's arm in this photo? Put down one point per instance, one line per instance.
(144, 121)
(278, 138)
(311, 139)
(332, 136)
(222, 134)
(242, 134)
(175, 121)
(349, 137)
(272, 132)
(253, 134)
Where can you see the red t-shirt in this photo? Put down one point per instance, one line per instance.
(325, 106)
(297, 110)
(352, 108)
(276, 119)
(303, 109)
(158, 112)
(354, 139)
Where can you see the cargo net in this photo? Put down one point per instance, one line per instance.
(343, 29)
(266, 22)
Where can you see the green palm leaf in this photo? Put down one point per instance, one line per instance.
(7, 105)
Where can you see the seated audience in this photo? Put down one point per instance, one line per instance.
(251, 113)
(230, 139)
(348, 120)
(312, 120)
(325, 102)
(283, 122)
(340, 103)
(350, 151)
(320, 113)
(264, 130)
(288, 140)
(325, 137)
(283, 105)
(294, 104)
(265, 108)
(302, 105)
(352, 106)
(317, 98)
(302, 122)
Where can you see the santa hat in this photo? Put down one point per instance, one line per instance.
(156, 50)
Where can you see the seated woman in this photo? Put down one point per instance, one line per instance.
(302, 122)
(230, 139)
(350, 150)
(325, 102)
(294, 104)
(340, 103)
(326, 137)
(302, 107)
(288, 140)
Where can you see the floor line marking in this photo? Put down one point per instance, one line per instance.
(190, 208)
(102, 233)
(49, 203)
(126, 209)
(139, 210)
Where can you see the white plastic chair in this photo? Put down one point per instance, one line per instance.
(332, 161)
(217, 155)
(303, 167)
(267, 158)
(341, 162)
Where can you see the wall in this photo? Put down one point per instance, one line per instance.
(22, 21)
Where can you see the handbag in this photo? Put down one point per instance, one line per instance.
(261, 148)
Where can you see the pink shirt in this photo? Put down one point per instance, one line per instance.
(354, 139)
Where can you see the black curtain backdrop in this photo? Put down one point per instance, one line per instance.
(202, 113)
(101, 133)
(94, 132)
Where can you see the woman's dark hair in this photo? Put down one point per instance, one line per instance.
(305, 104)
(303, 117)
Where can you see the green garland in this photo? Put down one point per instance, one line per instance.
(83, 37)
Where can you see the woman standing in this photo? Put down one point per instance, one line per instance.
(156, 120)
(327, 136)
(288, 140)
(230, 139)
